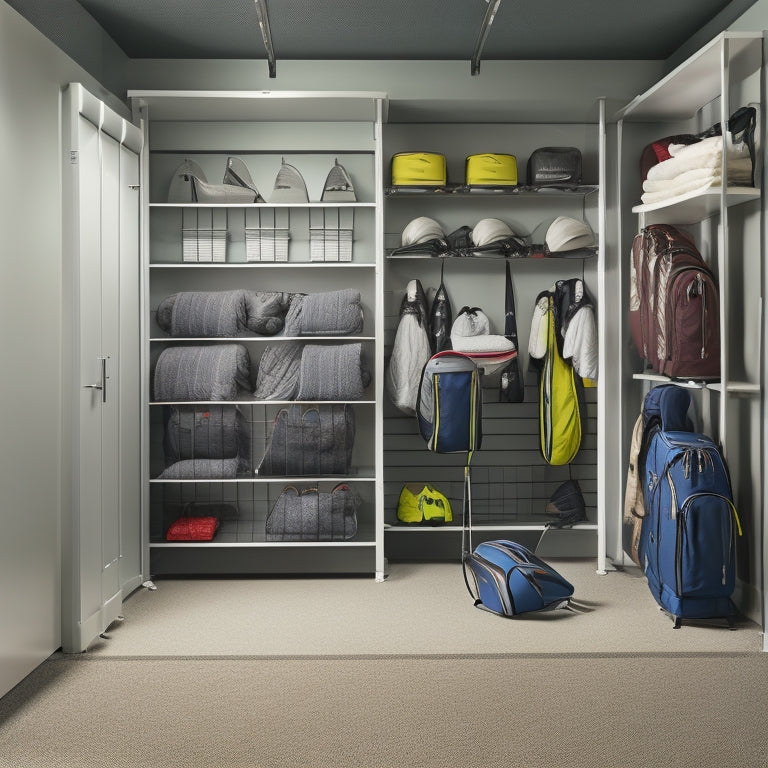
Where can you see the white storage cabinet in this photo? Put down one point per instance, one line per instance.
(309, 131)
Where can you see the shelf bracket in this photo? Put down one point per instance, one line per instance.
(490, 15)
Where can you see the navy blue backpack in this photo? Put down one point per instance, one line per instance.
(509, 579)
(449, 404)
(687, 544)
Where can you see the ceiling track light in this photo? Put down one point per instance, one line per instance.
(266, 35)
(490, 15)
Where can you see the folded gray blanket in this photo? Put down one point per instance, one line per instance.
(335, 313)
(208, 432)
(278, 374)
(203, 469)
(313, 515)
(232, 313)
(217, 372)
(332, 372)
(316, 442)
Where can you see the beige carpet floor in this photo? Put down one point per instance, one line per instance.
(648, 711)
(422, 608)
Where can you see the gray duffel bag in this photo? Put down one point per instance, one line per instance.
(210, 432)
(314, 515)
(315, 441)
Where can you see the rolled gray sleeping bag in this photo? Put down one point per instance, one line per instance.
(332, 372)
(222, 314)
(278, 375)
(216, 372)
(334, 313)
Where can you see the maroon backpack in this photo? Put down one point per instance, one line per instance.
(674, 312)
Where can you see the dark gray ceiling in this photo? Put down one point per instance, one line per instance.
(393, 29)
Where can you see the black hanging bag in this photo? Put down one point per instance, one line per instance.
(440, 318)
(511, 384)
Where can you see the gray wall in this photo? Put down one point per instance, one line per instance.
(34, 436)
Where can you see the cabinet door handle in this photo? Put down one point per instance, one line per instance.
(103, 385)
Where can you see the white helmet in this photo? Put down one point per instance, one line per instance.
(489, 231)
(567, 234)
(421, 230)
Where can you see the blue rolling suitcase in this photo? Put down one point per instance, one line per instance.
(509, 579)
(687, 544)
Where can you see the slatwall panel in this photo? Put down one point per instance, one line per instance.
(511, 482)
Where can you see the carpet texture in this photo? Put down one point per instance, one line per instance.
(534, 711)
(422, 608)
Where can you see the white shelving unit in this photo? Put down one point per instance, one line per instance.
(309, 130)
(727, 224)
(511, 481)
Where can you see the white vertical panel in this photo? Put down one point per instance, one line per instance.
(110, 351)
(87, 501)
(128, 375)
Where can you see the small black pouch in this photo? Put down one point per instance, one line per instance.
(554, 167)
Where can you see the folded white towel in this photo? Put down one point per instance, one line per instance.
(676, 190)
(696, 176)
(669, 169)
(700, 148)
(706, 154)
(485, 343)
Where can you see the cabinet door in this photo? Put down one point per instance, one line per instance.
(101, 556)
(92, 454)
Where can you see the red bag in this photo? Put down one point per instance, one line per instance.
(658, 151)
(192, 529)
(674, 314)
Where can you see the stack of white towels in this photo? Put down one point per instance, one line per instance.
(696, 168)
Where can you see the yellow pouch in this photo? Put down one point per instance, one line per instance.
(418, 169)
(423, 504)
(491, 170)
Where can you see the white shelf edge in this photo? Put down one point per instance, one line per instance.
(736, 387)
(485, 527)
(270, 339)
(264, 265)
(260, 544)
(459, 193)
(151, 94)
(478, 257)
(311, 204)
(689, 384)
(261, 402)
(707, 201)
(274, 479)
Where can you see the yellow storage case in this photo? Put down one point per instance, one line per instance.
(491, 170)
(418, 169)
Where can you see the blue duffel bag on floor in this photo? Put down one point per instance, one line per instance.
(509, 579)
